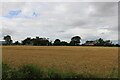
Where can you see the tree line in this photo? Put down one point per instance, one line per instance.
(75, 41)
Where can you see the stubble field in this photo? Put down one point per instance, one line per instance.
(93, 60)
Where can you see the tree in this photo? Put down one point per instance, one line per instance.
(40, 41)
(89, 43)
(36, 41)
(8, 40)
(108, 43)
(44, 41)
(117, 45)
(63, 43)
(16, 43)
(75, 41)
(27, 41)
(57, 42)
(50, 43)
(101, 42)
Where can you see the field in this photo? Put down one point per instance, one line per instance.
(94, 60)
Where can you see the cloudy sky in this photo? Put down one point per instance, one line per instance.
(63, 20)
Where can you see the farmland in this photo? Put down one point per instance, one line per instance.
(79, 59)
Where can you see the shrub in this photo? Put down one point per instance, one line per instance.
(6, 71)
(53, 73)
(28, 72)
(113, 73)
(33, 72)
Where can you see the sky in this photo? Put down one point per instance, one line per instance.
(60, 20)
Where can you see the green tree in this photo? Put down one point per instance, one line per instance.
(8, 39)
(57, 42)
(63, 43)
(40, 41)
(27, 41)
(75, 41)
(101, 42)
(16, 43)
(50, 43)
(44, 41)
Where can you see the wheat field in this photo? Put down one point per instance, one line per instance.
(93, 60)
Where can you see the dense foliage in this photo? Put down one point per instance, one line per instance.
(75, 41)
(34, 72)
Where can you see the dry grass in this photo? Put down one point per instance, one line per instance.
(93, 60)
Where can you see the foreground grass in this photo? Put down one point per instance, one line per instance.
(33, 72)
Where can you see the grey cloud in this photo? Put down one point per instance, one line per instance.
(105, 9)
(6, 31)
(63, 20)
(61, 31)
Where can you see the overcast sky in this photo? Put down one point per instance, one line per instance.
(63, 20)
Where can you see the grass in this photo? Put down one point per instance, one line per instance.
(34, 72)
(95, 61)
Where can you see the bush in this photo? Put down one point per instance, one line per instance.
(53, 73)
(28, 72)
(6, 71)
(33, 72)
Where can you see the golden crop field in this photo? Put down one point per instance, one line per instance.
(94, 60)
